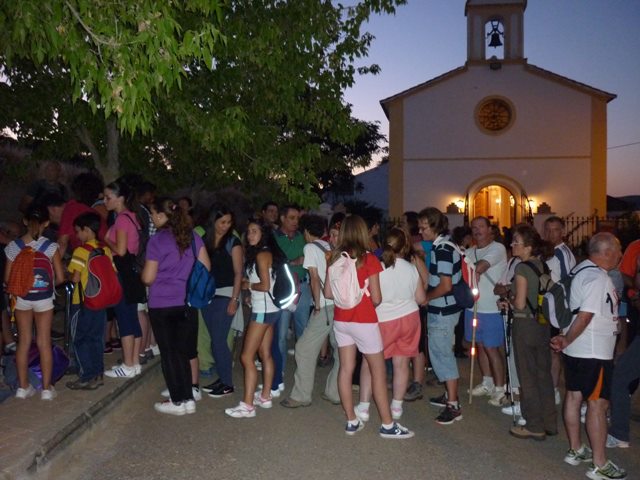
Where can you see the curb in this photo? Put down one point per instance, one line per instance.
(87, 419)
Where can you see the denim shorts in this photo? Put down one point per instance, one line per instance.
(440, 329)
(265, 318)
(489, 331)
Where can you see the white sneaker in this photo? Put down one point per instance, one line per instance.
(241, 411)
(262, 402)
(497, 397)
(558, 397)
(197, 394)
(515, 410)
(156, 350)
(137, 369)
(121, 371)
(170, 408)
(362, 413)
(23, 393)
(48, 394)
(258, 365)
(275, 393)
(522, 422)
(190, 406)
(613, 442)
(483, 390)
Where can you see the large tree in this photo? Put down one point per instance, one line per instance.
(265, 103)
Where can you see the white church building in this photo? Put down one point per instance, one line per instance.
(498, 136)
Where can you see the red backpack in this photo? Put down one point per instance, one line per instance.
(31, 276)
(103, 288)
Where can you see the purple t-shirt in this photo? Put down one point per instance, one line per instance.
(170, 286)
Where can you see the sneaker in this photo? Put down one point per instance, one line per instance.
(521, 421)
(197, 394)
(362, 413)
(396, 413)
(121, 371)
(397, 431)
(523, 433)
(576, 457)
(497, 397)
(155, 349)
(613, 442)
(608, 471)
(190, 406)
(512, 410)
(142, 358)
(262, 402)
(483, 390)
(258, 365)
(414, 392)
(165, 393)
(210, 388)
(449, 415)
(170, 408)
(241, 411)
(48, 394)
(137, 369)
(23, 393)
(220, 391)
(292, 403)
(353, 429)
(108, 349)
(82, 384)
(440, 401)
(275, 393)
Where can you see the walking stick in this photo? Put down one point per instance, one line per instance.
(506, 317)
(474, 325)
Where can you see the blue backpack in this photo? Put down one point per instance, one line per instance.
(201, 286)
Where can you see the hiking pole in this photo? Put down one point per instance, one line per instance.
(506, 317)
(474, 324)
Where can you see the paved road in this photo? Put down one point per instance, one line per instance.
(135, 442)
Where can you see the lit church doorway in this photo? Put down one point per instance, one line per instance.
(497, 204)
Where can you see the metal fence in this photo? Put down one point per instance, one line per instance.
(580, 229)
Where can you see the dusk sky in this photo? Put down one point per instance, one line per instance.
(596, 42)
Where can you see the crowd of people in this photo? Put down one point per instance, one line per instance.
(404, 319)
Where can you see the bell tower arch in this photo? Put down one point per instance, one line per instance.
(495, 30)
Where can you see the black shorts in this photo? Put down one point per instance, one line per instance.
(590, 376)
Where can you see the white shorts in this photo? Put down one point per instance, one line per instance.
(366, 336)
(35, 305)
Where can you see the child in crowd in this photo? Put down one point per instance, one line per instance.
(87, 325)
(357, 328)
(37, 305)
(262, 257)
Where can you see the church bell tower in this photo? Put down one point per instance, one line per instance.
(495, 30)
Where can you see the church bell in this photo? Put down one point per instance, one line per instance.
(495, 40)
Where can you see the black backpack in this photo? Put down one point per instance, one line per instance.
(286, 289)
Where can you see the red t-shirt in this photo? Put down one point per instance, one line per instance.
(629, 263)
(72, 210)
(364, 312)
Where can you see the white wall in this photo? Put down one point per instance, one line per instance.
(551, 119)
(439, 182)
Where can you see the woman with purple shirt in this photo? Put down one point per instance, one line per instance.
(169, 262)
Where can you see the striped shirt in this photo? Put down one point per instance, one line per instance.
(561, 263)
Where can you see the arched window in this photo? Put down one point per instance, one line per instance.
(494, 39)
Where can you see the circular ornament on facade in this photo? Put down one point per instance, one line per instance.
(494, 115)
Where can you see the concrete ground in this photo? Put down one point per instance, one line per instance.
(134, 442)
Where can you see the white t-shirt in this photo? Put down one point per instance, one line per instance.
(592, 291)
(398, 285)
(314, 257)
(496, 255)
(261, 301)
